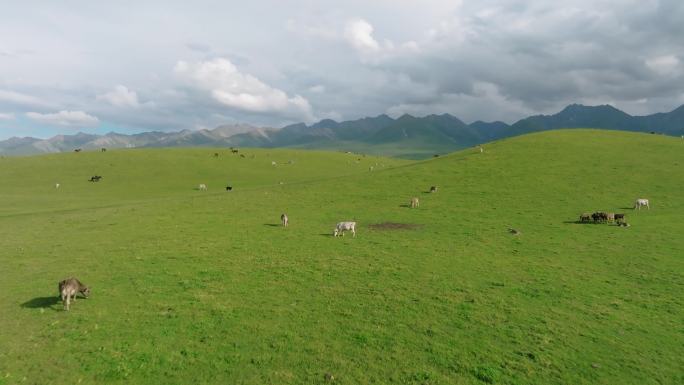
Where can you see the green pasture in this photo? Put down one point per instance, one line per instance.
(195, 287)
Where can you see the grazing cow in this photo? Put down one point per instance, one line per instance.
(273, 163)
(56, 185)
(610, 217)
(216, 155)
(370, 168)
(585, 217)
(103, 149)
(414, 203)
(345, 226)
(284, 219)
(95, 178)
(641, 202)
(68, 289)
(599, 216)
(242, 155)
(433, 189)
(229, 188)
(77, 150)
(619, 218)
(234, 150)
(202, 187)
(481, 150)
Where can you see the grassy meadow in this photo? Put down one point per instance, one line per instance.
(195, 287)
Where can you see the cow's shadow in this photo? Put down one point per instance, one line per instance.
(626, 208)
(41, 303)
(326, 235)
(579, 223)
(405, 205)
(273, 224)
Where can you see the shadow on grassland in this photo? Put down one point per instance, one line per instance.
(41, 302)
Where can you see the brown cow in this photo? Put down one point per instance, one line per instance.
(68, 289)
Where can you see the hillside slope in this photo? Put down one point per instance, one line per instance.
(206, 287)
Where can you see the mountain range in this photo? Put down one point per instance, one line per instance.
(406, 136)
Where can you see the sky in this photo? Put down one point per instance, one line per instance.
(131, 66)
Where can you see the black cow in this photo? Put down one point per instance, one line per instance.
(95, 178)
(229, 188)
(599, 216)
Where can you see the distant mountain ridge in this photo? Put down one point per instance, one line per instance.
(406, 135)
(218, 137)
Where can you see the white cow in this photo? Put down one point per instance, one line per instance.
(202, 187)
(344, 226)
(641, 202)
(56, 185)
(273, 163)
(414, 203)
(284, 219)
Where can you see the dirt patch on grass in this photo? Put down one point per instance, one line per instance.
(394, 226)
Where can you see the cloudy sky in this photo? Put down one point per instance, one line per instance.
(97, 66)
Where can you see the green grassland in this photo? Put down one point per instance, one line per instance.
(413, 149)
(192, 287)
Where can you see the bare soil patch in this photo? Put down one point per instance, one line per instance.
(394, 226)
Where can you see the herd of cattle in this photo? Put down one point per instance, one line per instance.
(617, 218)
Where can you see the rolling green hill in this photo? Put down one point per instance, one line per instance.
(206, 287)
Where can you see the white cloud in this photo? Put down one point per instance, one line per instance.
(121, 97)
(7, 116)
(65, 118)
(663, 65)
(359, 33)
(21, 99)
(241, 91)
